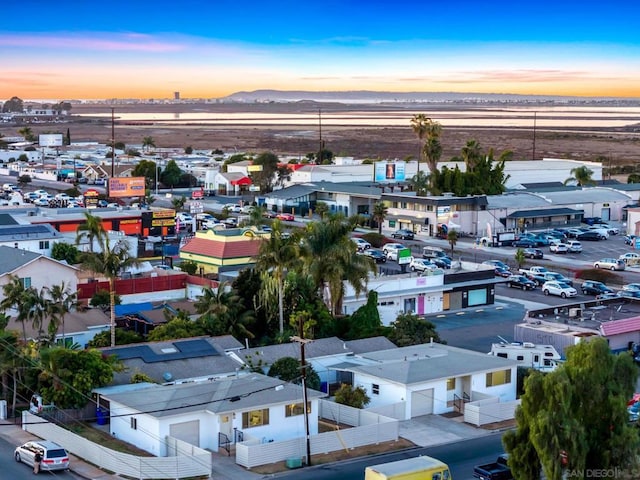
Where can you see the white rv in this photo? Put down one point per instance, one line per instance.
(540, 357)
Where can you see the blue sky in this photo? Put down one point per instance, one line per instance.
(141, 49)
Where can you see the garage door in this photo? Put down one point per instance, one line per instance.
(188, 432)
(421, 402)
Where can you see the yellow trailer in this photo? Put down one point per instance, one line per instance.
(416, 468)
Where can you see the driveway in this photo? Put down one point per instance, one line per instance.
(430, 430)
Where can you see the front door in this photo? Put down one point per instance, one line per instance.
(226, 425)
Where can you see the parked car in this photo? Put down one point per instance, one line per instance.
(403, 234)
(631, 286)
(41, 202)
(628, 293)
(591, 236)
(533, 253)
(54, 457)
(387, 247)
(421, 265)
(232, 207)
(591, 287)
(558, 247)
(361, 243)
(525, 243)
(609, 228)
(502, 272)
(591, 220)
(558, 288)
(496, 263)
(377, 255)
(574, 246)
(287, 217)
(520, 281)
(602, 231)
(630, 239)
(441, 262)
(574, 232)
(247, 208)
(184, 217)
(230, 222)
(269, 214)
(630, 258)
(610, 264)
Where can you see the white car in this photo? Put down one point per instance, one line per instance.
(233, 207)
(54, 457)
(247, 209)
(421, 265)
(361, 243)
(558, 247)
(391, 250)
(610, 228)
(574, 246)
(184, 217)
(41, 202)
(558, 288)
(630, 258)
(40, 193)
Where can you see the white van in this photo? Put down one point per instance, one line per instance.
(432, 252)
(573, 246)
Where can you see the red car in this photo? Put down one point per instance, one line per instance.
(287, 217)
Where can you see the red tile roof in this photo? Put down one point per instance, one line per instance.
(617, 327)
(223, 250)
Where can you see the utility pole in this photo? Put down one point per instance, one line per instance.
(303, 367)
(320, 137)
(113, 142)
(535, 114)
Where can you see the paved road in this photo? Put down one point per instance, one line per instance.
(11, 470)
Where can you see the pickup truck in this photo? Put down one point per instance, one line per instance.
(535, 273)
(498, 470)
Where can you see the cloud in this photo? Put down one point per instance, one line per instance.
(132, 42)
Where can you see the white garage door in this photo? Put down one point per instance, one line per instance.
(188, 432)
(421, 402)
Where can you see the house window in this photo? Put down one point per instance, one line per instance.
(134, 423)
(520, 358)
(375, 389)
(26, 282)
(451, 384)
(295, 409)
(44, 244)
(255, 418)
(501, 377)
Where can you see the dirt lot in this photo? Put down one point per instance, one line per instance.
(618, 146)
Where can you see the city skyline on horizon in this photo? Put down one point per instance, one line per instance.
(212, 50)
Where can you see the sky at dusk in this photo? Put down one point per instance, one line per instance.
(85, 49)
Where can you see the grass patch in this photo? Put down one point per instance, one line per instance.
(106, 440)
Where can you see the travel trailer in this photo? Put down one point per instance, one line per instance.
(540, 357)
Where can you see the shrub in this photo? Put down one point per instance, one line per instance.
(375, 239)
(599, 275)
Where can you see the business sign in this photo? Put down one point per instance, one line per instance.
(197, 193)
(404, 256)
(389, 172)
(91, 198)
(126, 187)
(50, 140)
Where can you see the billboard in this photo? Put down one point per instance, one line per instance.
(50, 140)
(389, 172)
(126, 187)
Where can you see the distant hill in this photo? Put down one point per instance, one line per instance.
(367, 96)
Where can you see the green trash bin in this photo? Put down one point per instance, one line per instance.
(295, 462)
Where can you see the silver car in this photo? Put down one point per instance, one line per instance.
(610, 264)
(54, 457)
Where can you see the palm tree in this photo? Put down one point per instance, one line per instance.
(380, 212)
(92, 229)
(322, 209)
(62, 301)
(109, 262)
(277, 255)
(452, 238)
(178, 202)
(221, 312)
(519, 257)
(17, 296)
(329, 258)
(27, 133)
(419, 126)
(581, 175)
(420, 183)
(471, 154)
(147, 143)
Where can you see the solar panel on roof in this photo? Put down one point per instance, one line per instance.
(24, 230)
(187, 349)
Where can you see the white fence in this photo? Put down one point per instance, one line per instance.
(368, 428)
(489, 410)
(395, 410)
(188, 461)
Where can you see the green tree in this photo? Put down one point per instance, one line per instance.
(18, 297)
(148, 143)
(355, 397)
(322, 209)
(102, 300)
(188, 150)
(471, 154)
(13, 105)
(223, 313)
(277, 255)
(283, 175)
(147, 169)
(123, 337)
(109, 262)
(264, 178)
(633, 178)
(171, 174)
(582, 176)
(176, 328)
(178, 202)
(65, 252)
(288, 369)
(519, 257)
(562, 413)
(365, 321)
(410, 329)
(452, 238)
(92, 230)
(419, 125)
(420, 183)
(189, 266)
(68, 376)
(63, 300)
(380, 212)
(27, 133)
(23, 180)
(329, 257)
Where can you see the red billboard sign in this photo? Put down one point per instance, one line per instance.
(126, 187)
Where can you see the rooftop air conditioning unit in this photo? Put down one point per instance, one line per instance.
(574, 312)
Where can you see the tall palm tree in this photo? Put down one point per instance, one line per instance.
(380, 212)
(419, 125)
(329, 258)
(581, 175)
(147, 143)
(38, 305)
(16, 296)
(471, 154)
(277, 255)
(109, 262)
(62, 301)
(91, 229)
(223, 312)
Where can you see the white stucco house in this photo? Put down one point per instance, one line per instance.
(255, 405)
(428, 378)
(38, 238)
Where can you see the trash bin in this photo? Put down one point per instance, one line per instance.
(101, 416)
